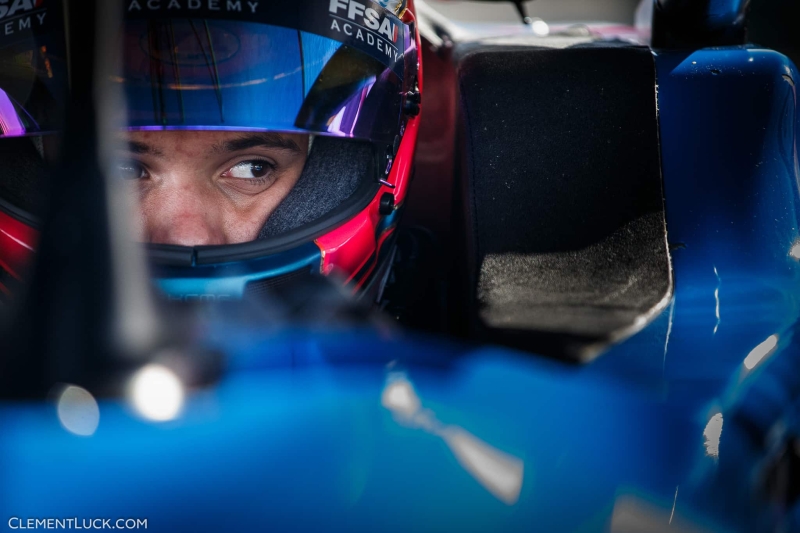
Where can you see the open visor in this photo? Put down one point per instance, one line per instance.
(347, 79)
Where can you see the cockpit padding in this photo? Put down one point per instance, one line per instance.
(566, 246)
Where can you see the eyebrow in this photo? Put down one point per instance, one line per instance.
(140, 148)
(253, 140)
(261, 139)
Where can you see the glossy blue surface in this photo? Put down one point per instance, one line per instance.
(729, 160)
(374, 430)
(729, 138)
(725, 13)
(729, 156)
(265, 445)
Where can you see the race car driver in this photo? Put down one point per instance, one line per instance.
(261, 143)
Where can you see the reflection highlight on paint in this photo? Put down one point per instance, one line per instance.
(77, 411)
(760, 352)
(540, 27)
(498, 472)
(716, 300)
(712, 434)
(400, 398)
(794, 251)
(636, 513)
(156, 393)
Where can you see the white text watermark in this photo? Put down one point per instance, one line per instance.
(16, 522)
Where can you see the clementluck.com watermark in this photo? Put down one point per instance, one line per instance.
(77, 523)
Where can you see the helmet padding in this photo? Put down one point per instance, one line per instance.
(334, 170)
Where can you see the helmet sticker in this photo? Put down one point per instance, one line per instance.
(22, 19)
(363, 25)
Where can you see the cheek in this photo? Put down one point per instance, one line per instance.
(244, 224)
(242, 227)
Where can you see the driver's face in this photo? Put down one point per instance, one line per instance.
(208, 187)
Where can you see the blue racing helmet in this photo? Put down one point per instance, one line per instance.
(345, 73)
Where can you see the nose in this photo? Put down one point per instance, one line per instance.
(185, 216)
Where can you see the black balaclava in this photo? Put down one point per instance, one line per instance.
(334, 170)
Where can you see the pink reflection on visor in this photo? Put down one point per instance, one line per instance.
(344, 122)
(9, 120)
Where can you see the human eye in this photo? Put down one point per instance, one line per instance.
(129, 170)
(250, 170)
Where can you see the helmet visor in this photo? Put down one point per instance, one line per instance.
(340, 73)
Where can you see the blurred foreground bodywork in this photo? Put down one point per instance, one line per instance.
(343, 423)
